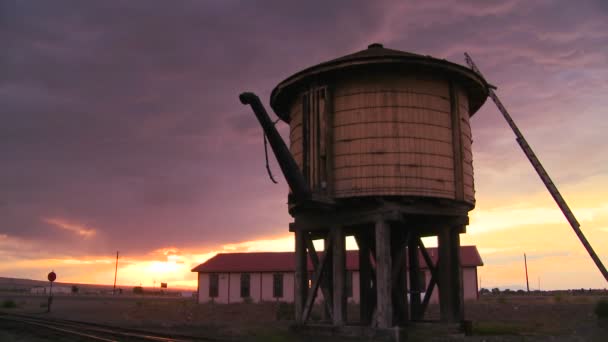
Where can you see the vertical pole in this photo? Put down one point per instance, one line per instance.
(327, 280)
(399, 276)
(365, 305)
(301, 275)
(384, 307)
(339, 271)
(445, 282)
(414, 278)
(456, 275)
(526, 266)
(115, 274)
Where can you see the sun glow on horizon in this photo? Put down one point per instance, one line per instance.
(502, 234)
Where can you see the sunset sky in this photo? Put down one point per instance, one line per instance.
(121, 129)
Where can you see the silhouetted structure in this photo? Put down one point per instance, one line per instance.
(380, 150)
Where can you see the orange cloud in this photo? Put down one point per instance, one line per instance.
(72, 227)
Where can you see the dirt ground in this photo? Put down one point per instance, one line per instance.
(495, 318)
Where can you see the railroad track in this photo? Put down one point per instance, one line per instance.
(80, 331)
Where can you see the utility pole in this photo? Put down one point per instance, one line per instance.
(526, 265)
(115, 273)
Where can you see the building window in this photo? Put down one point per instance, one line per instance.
(277, 285)
(213, 285)
(245, 285)
(349, 284)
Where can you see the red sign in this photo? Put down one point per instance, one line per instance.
(52, 276)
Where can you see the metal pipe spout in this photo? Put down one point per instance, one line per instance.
(299, 188)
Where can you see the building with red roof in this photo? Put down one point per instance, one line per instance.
(269, 276)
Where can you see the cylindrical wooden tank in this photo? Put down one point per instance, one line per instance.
(383, 122)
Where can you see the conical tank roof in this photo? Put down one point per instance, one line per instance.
(377, 55)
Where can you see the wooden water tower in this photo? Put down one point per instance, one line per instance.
(380, 149)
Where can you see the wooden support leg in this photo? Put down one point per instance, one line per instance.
(415, 290)
(384, 307)
(339, 263)
(447, 305)
(365, 300)
(456, 276)
(399, 278)
(301, 276)
(323, 283)
(328, 284)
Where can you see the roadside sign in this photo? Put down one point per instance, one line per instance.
(52, 276)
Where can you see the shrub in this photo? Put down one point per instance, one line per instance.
(138, 290)
(75, 289)
(9, 304)
(601, 308)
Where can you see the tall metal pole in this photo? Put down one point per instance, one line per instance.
(115, 273)
(542, 173)
(526, 264)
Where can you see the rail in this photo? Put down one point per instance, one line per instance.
(97, 332)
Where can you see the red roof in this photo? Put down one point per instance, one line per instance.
(285, 261)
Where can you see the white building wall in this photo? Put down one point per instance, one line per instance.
(288, 287)
(254, 286)
(261, 287)
(223, 284)
(356, 293)
(469, 283)
(235, 288)
(203, 288)
(267, 287)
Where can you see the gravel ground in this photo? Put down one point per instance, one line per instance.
(497, 319)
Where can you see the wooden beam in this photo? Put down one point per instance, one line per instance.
(414, 279)
(312, 222)
(315, 286)
(384, 307)
(327, 282)
(365, 295)
(456, 276)
(427, 259)
(427, 296)
(301, 276)
(314, 259)
(446, 300)
(339, 272)
(399, 241)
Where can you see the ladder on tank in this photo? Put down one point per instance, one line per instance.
(542, 173)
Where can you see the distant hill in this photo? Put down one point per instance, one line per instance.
(24, 285)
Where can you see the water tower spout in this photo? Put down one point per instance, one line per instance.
(289, 167)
